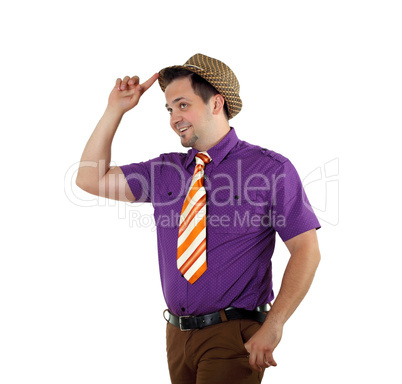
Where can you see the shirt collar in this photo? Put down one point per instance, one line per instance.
(219, 151)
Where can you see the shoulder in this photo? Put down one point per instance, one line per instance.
(172, 156)
(274, 156)
(167, 164)
(175, 159)
(262, 154)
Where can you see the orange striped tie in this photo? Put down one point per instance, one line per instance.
(191, 245)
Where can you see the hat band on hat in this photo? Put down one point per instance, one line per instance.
(194, 66)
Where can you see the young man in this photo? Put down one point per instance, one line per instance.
(217, 210)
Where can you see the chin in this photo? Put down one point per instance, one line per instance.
(190, 142)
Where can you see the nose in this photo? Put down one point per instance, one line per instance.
(175, 118)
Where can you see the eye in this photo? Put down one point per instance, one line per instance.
(183, 105)
(169, 110)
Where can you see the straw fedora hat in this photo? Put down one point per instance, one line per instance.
(218, 74)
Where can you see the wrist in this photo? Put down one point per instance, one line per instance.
(113, 113)
(275, 319)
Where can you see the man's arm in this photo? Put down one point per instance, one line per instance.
(95, 174)
(297, 279)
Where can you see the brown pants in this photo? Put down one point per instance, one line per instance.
(212, 355)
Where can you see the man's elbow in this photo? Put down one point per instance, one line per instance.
(311, 255)
(85, 186)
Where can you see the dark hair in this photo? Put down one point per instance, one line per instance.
(200, 86)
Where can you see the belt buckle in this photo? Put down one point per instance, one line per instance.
(181, 325)
(263, 308)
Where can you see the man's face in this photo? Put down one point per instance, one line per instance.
(190, 117)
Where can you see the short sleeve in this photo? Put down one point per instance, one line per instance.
(138, 176)
(291, 209)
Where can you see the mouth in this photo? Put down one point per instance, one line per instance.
(184, 129)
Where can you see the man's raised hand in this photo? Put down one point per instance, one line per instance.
(127, 93)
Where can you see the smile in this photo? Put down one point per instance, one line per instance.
(184, 129)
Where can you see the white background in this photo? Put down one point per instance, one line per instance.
(80, 295)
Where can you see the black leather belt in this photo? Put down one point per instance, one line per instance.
(188, 323)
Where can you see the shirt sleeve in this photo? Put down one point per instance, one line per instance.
(138, 176)
(291, 210)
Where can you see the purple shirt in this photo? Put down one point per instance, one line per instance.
(252, 193)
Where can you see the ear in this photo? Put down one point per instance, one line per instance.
(217, 104)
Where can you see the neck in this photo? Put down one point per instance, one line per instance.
(218, 134)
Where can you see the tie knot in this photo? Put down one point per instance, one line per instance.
(202, 158)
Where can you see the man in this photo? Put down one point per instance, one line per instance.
(217, 210)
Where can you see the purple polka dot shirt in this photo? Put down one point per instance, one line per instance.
(252, 194)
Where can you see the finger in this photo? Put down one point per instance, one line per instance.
(260, 361)
(253, 364)
(123, 84)
(135, 80)
(269, 359)
(145, 86)
(118, 82)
